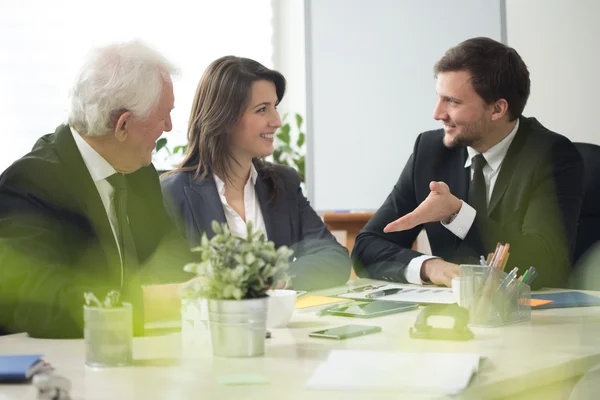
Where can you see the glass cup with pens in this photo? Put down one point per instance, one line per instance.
(492, 296)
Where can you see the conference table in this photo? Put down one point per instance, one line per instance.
(540, 359)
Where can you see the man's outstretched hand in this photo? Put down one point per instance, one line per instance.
(438, 206)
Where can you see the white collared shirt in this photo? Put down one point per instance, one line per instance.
(236, 224)
(99, 170)
(463, 221)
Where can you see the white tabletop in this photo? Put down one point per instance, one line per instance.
(555, 346)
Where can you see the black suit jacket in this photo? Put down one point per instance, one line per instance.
(534, 206)
(56, 241)
(289, 220)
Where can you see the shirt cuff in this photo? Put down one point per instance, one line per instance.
(463, 221)
(412, 272)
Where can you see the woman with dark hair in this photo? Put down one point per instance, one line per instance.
(224, 176)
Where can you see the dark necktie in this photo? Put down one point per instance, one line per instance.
(124, 235)
(477, 188)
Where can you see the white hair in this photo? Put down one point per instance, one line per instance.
(120, 77)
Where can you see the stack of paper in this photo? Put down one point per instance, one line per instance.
(410, 293)
(441, 373)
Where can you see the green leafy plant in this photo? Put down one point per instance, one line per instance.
(288, 152)
(112, 300)
(162, 144)
(237, 268)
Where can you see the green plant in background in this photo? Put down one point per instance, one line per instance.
(288, 152)
(237, 268)
(162, 144)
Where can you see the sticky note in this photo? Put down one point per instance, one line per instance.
(243, 379)
(307, 301)
(539, 302)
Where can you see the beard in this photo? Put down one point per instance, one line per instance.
(469, 137)
(460, 141)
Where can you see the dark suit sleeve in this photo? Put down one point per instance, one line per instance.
(165, 264)
(321, 262)
(546, 237)
(162, 250)
(170, 193)
(380, 255)
(39, 293)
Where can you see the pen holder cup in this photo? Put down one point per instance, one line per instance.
(492, 298)
(108, 336)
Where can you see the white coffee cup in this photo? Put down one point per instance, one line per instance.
(282, 303)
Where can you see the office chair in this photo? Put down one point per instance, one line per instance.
(588, 228)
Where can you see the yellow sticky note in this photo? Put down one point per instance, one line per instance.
(307, 301)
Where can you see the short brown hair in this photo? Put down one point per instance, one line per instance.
(497, 71)
(221, 97)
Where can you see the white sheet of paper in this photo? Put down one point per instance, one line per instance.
(410, 293)
(398, 371)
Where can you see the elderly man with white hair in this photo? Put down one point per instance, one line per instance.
(83, 211)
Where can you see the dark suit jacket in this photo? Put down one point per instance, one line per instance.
(534, 206)
(56, 241)
(290, 220)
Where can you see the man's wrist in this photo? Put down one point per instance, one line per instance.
(452, 216)
(424, 269)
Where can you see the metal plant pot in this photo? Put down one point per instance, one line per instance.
(237, 327)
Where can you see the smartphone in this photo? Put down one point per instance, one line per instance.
(370, 309)
(345, 332)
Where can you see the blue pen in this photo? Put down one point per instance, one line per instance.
(508, 279)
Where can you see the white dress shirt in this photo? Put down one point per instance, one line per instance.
(463, 221)
(236, 224)
(99, 170)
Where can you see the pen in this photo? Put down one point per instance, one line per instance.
(524, 277)
(496, 254)
(504, 283)
(531, 276)
(384, 292)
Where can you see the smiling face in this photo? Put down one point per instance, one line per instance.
(253, 135)
(466, 117)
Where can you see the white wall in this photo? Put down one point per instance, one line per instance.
(558, 40)
(371, 90)
(42, 43)
(289, 56)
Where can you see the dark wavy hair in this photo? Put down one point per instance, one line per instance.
(223, 94)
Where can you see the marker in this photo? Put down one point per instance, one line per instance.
(384, 292)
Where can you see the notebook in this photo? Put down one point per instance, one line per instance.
(357, 370)
(566, 299)
(20, 368)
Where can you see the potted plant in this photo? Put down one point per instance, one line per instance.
(234, 274)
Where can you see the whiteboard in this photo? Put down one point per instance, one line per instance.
(371, 90)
